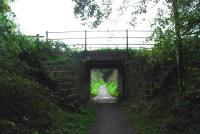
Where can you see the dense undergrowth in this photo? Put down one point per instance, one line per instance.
(27, 105)
(112, 88)
(27, 109)
(26, 102)
(142, 123)
(105, 77)
(26, 88)
(164, 109)
(95, 87)
(96, 82)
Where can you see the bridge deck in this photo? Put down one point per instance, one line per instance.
(110, 55)
(106, 59)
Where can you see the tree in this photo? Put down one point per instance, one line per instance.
(92, 11)
(96, 11)
(183, 20)
(7, 25)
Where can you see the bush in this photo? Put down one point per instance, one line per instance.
(96, 84)
(112, 88)
(24, 103)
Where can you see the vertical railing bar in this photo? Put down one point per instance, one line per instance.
(127, 40)
(85, 40)
(126, 64)
(47, 34)
(37, 37)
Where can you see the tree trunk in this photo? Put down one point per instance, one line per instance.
(178, 42)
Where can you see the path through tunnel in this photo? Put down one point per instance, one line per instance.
(109, 119)
(110, 79)
(108, 60)
(104, 85)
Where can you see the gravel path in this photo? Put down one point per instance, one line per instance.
(110, 120)
(103, 96)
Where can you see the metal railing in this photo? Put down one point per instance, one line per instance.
(113, 39)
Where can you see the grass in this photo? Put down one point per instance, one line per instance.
(141, 122)
(112, 88)
(95, 85)
(71, 123)
(80, 122)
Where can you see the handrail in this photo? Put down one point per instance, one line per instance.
(103, 31)
(113, 44)
(100, 38)
(88, 36)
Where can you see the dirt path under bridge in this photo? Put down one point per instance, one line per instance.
(109, 118)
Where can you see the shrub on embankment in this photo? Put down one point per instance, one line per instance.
(26, 102)
(156, 103)
(24, 106)
(27, 109)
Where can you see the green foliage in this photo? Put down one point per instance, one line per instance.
(26, 106)
(95, 85)
(81, 122)
(112, 88)
(142, 123)
(106, 77)
(7, 26)
(106, 73)
(25, 103)
(96, 81)
(172, 110)
(90, 12)
(164, 49)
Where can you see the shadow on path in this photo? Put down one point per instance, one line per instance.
(110, 120)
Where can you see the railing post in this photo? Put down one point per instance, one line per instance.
(37, 37)
(85, 40)
(47, 34)
(126, 67)
(127, 40)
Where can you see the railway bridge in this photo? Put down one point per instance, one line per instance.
(105, 49)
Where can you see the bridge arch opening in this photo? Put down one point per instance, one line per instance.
(110, 78)
(108, 60)
(107, 78)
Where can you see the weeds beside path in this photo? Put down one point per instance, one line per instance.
(81, 121)
(141, 122)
